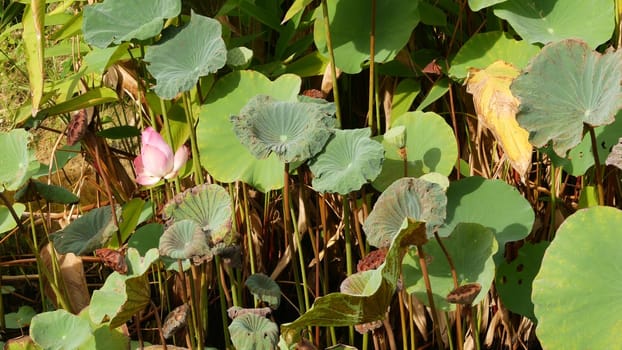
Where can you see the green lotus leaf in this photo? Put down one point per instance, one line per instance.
(406, 198)
(184, 239)
(349, 160)
(191, 52)
(59, 330)
(576, 294)
(21, 318)
(210, 207)
(350, 27)
(477, 5)
(482, 49)
(51, 193)
(265, 289)
(119, 299)
(222, 154)
(471, 247)
(545, 21)
(514, 279)
(580, 158)
(369, 301)
(239, 57)
(87, 233)
(468, 200)
(18, 161)
(7, 222)
(138, 265)
(294, 131)
(115, 21)
(430, 147)
(21, 343)
(566, 85)
(110, 338)
(251, 331)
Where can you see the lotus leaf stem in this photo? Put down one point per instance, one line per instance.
(196, 159)
(333, 68)
(597, 167)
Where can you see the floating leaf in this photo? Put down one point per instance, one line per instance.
(294, 131)
(184, 239)
(430, 147)
(115, 21)
(254, 332)
(514, 279)
(405, 198)
(222, 154)
(58, 330)
(510, 219)
(482, 49)
(17, 161)
(350, 26)
(265, 289)
(545, 21)
(349, 160)
(496, 109)
(576, 294)
(89, 232)
(471, 247)
(194, 51)
(565, 86)
(209, 206)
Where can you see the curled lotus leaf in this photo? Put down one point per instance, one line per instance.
(183, 240)
(407, 197)
(265, 289)
(294, 131)
(349, 160)
(251, 331)
(209, 206)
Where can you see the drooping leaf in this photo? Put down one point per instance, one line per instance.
(178, 61)
(482, 49)
(265, 289)
(251, 331)
(350, 26)
(17, 161)
(471, 247)
(294, 131)
(545, 21)
(514, 279)
(510, 219)
(430, 147)
(184, 239)
(87, 233)
(349, 160)
(576, 291)
(222, 154)
(367, 303)
(115, 21)
(406, 198)
(209, 206)
(38, 190)
(403, 97)
(34, 43)
(93, 97)
(565, 86)
(58, 330)
(496, 109)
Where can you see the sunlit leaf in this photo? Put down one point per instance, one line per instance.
(115, 21)
(349, 160)
(7, 221)
(193, 51)
(496, 109)
(17, 161)
(251, 331)
(184, 239)
(58, 330)
(33, 38)
(477, 5)
(545, 21)
(565, 86)
(93, 97)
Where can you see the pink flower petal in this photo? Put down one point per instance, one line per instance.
(156, 163)
(152, 138)
(146, 180)
(181, 157)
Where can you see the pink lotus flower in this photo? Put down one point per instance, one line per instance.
(156, 160)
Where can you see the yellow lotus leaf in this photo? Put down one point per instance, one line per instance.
(496, 109)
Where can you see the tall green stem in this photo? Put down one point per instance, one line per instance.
(331, 55)
(287, 222)
(597, 167)
(372, 70)
(196, 159)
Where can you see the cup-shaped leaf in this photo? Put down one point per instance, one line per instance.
(471, 247)
(251, 331)
(89, 232)
(576, 294)
(294, 131)
(209, 206)
(406, 198)
(115, 21)
(349, 160)
(183, 240)
(265, 289)
(17, 161)
(564, 86)
(194, 51)
(57, 330)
